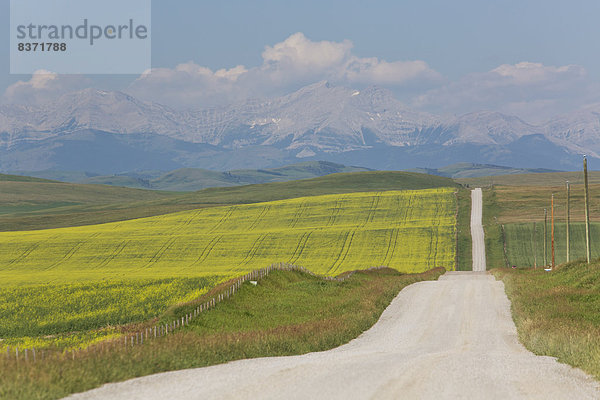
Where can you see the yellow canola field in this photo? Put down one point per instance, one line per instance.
(410, 231)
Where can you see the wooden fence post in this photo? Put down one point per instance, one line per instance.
(568, 221)
(588, 247)
(552, 234)
(545, 237)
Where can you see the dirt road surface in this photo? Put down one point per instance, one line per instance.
(478, 243)
(449, 339)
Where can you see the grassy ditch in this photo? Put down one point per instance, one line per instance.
(286, 313)
(494, 241)
(463, 222)
(558, 313)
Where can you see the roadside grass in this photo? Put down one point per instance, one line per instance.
(558, 313)
(494, 242)
(464, 246)
(286, 313)
(43, 205)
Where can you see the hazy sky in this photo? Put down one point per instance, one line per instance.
(531, 58)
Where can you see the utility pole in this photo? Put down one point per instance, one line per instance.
(534, 248)
(568, 221)
(588, 253)
(552, 229)
(545, 237)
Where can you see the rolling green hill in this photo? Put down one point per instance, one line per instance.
(470, 170)
(21, 178)
(535, 179)
(192, 179)
(407, 230)
(41, 205)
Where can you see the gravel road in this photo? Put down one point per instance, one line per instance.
(449, 339)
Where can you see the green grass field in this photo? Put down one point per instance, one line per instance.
(527, 203)
(520, 243)
(57, 281)
(463, 237)
(547, 179)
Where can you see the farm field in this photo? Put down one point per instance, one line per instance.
(527, 203)
(547, 179)
(30, 204)
(520, 245)
(87, 312)
(406, 230)
(106, 265)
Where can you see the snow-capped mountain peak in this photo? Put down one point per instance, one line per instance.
(317, 119)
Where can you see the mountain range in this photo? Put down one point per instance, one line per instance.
(112, 132)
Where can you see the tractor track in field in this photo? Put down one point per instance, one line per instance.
(255, 246)
(389, 253)
(161, 251)
(300, 247)
(343, 252)
(299, 213)
(208, 249)
(223, 219)
(372, 209)
(335, 212)
(119, 249)
(72, 251)
(24, 255)
(265, 210)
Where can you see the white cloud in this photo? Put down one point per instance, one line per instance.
(375, 71)
(286, 66)
(532, 91)
(298, 52)
(43, 86)
(528, 73)
(188, 85)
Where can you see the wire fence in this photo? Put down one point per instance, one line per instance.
(139, 337)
